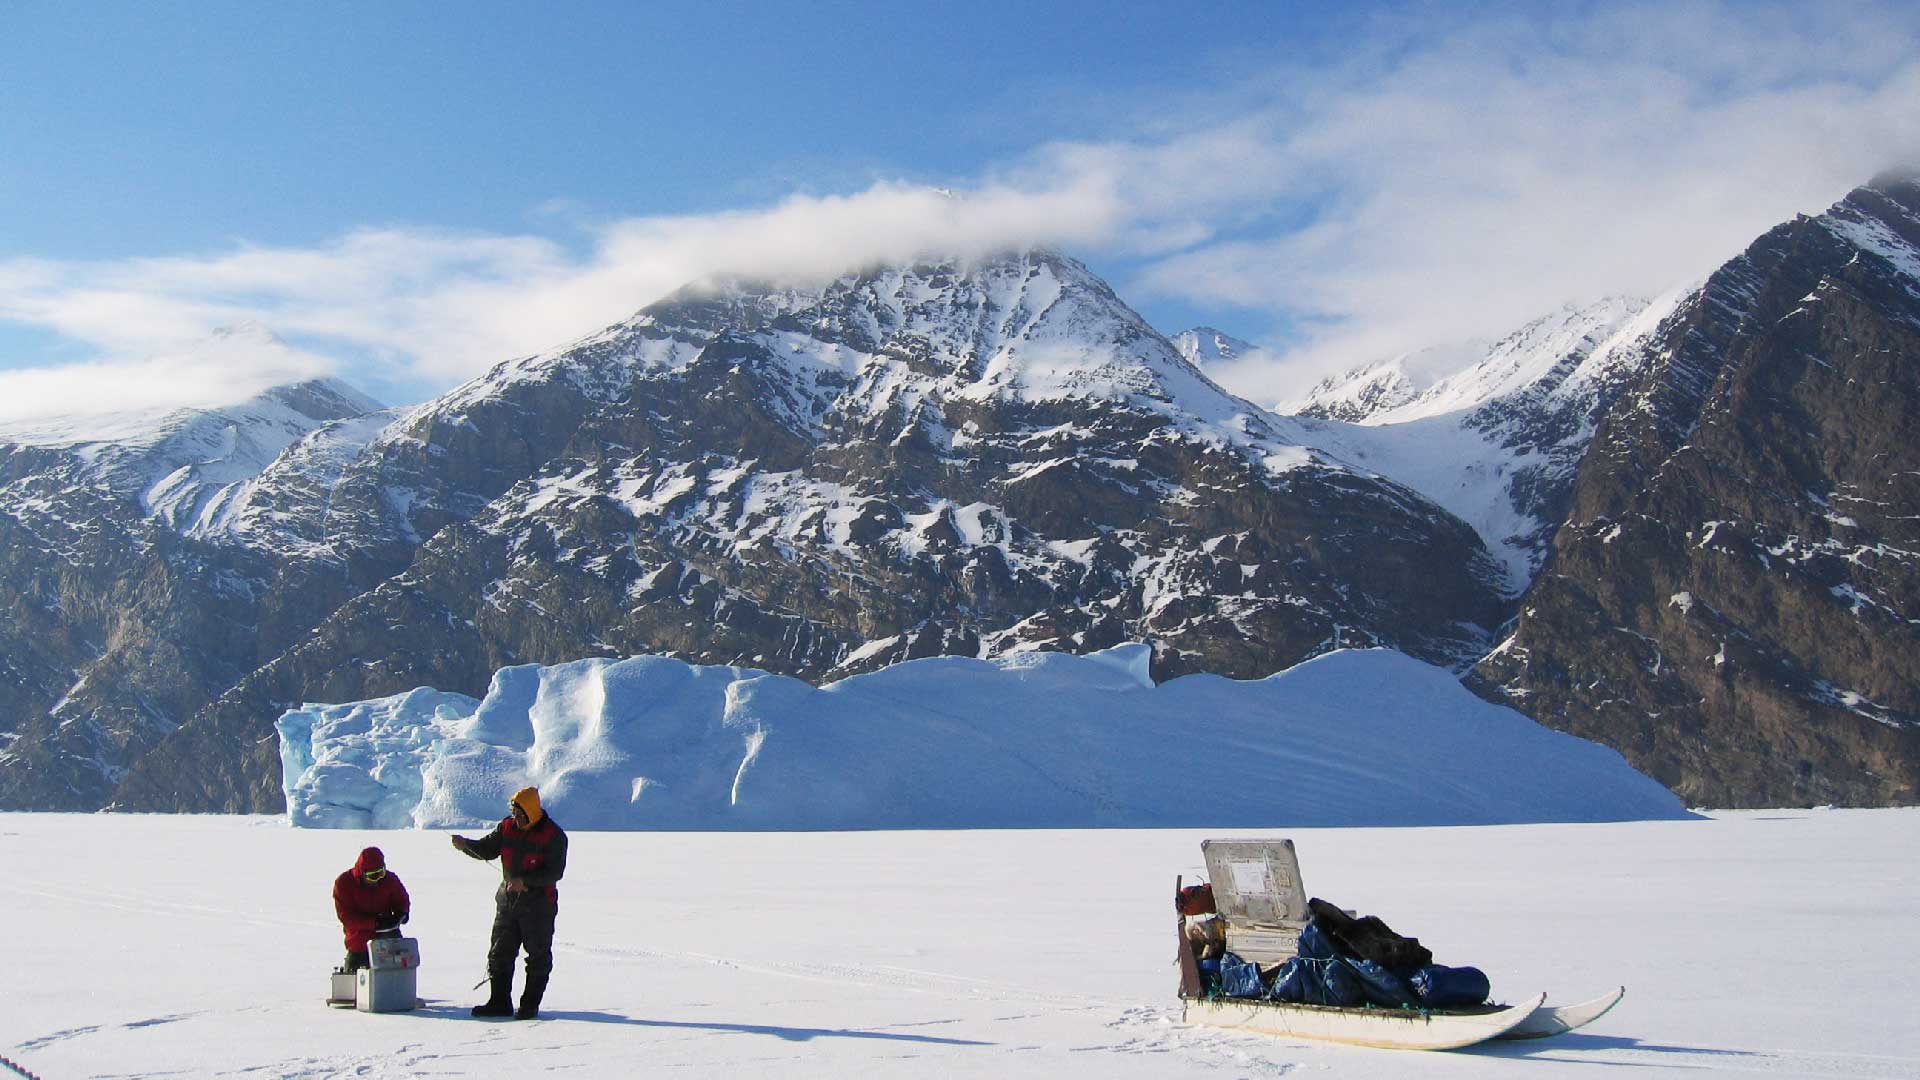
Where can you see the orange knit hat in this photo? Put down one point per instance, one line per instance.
(528, 799)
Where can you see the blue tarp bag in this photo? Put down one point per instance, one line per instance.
(1308, 981)
(1383, 987)
(1209, 976)
(1240, 978)
(1442, 987)
(1315, 945)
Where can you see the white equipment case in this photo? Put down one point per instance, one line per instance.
(389, 982)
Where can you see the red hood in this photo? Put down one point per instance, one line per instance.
(369, 859)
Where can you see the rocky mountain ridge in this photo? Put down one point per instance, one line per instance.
(1734, 596)
(131, 606)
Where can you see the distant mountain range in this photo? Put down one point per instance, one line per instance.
(1676, 527)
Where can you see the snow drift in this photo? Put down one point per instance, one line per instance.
(1033, 740)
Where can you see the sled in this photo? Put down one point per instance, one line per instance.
(1393, 1029)
(1263, 907)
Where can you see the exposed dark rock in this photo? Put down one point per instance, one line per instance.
(1733, 599)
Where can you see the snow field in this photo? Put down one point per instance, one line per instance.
(1751, 944)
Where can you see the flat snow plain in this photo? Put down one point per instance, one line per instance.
(1751, 944)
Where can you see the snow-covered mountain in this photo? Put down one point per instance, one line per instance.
(132, 604)
(1204, 347)
(187, 468)
(949, 743)
(949, 458)
(1690, 515)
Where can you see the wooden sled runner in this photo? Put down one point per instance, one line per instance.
(1551, 1020)
(1263, 907)
(1396, 1029)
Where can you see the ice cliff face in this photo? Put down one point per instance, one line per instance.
(654, 743)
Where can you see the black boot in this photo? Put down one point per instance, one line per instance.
(530, 999)
(499, 1002)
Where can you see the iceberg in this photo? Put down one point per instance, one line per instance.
(1031, 740)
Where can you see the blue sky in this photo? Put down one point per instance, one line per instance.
(409, 192)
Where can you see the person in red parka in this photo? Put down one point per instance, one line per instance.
(371, 903)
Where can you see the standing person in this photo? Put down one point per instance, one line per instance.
(371, 902)
(532, 850)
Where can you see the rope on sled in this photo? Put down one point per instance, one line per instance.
(16, 1068)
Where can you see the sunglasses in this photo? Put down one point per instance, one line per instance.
(374, 874)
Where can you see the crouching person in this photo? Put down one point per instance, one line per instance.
(532, 850)
(371, 902)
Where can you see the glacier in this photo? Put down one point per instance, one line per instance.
(1030, 740)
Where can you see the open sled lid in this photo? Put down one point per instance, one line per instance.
(1256, 881)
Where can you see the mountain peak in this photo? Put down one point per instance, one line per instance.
(1032, 324)
(1204, 346)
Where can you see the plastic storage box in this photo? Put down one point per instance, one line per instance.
(389, 981)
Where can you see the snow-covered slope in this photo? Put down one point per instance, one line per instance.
(188, 468)
(1036, 739)
(1369, 389)
(1495, 442)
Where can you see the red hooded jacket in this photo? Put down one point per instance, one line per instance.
(363, 905)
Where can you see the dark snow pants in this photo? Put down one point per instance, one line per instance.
(522, 920)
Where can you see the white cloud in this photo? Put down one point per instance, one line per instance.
(1487, 175)
(443, 306)
(217, 370)
(1437, 179)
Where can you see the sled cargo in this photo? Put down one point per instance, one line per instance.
(1262, 905)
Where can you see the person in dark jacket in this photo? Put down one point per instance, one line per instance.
(371, 902)
(532, 850)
